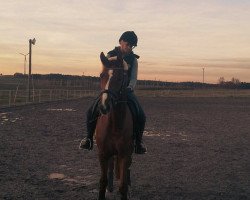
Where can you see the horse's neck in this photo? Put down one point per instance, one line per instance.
(120, 110)
(119, 114)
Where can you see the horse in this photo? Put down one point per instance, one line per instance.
(114, 129)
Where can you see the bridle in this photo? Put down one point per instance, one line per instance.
(117, 97)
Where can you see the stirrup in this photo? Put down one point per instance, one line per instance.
(83, 144)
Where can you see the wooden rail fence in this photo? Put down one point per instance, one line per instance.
(19, 97)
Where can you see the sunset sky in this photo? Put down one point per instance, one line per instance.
(177, 38)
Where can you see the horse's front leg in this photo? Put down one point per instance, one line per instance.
(104, 179)
(124, 164)
(111, 174)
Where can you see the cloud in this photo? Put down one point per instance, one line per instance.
(179, 34)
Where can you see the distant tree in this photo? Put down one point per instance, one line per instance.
(235, 81)
(37, 76)
(18, 75)
(221, 80)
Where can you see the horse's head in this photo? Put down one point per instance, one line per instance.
(113, 81)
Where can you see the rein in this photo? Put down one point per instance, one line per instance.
(114, 95)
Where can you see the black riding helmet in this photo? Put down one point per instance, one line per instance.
(130, 37)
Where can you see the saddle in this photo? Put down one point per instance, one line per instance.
(133, 107)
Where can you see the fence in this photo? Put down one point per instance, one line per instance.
(19, 97)
(195, 93)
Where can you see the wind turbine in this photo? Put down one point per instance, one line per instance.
(25, 60)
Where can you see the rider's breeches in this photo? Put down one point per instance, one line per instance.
(139, 117)
(91, 121)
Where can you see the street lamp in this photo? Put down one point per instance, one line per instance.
(24, 65)
(31, 41)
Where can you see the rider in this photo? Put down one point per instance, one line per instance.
(127, 41)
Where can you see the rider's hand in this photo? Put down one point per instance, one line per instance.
(129, 89)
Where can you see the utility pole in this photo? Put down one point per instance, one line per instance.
(30, 53)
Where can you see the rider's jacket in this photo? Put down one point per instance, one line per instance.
(131, 60)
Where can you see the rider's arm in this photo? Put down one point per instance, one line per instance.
(134, 72)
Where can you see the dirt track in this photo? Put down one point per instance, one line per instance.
(198, 148)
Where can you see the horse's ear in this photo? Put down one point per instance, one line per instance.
(104, 60)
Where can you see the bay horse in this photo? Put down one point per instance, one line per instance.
(114, 129)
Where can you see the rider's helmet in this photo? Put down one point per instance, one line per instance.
(130, 37)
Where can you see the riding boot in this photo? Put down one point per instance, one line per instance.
(87, 143)
(139, 147)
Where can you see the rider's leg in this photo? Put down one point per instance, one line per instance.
(139, 123)
(87, 143)
(140, 149)
(134, 116)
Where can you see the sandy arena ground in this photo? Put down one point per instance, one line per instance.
(198, 148)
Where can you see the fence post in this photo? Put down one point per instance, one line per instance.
(16, 94)
(39, 96)
(33, 95)
(9, 97)
(50, 94)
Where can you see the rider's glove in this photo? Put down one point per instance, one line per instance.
(129, 89)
